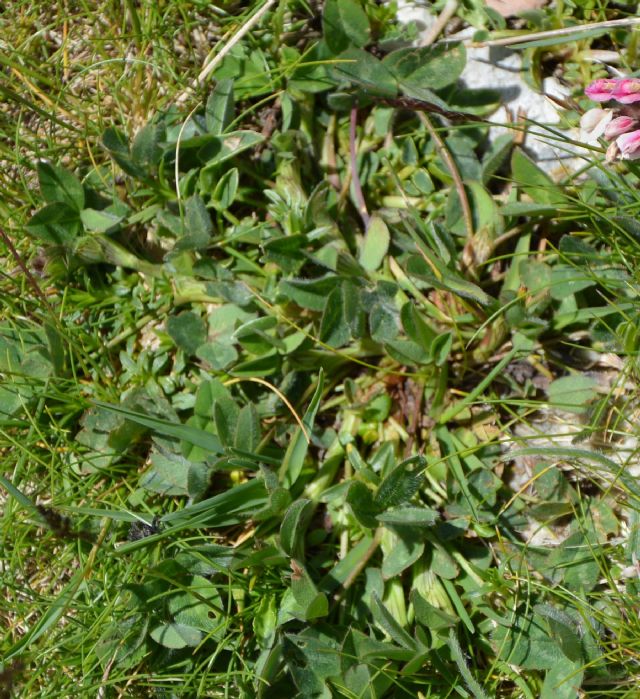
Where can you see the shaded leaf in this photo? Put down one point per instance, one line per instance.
(401, 484)
(535, 182)
(366, 72)
(187, 330)
(56, 223)
(294, 527)
(60, 185)
(344, 23)
(220, 106)
(432, 67)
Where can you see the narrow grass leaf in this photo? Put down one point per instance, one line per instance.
(192, 435)
(294, 457)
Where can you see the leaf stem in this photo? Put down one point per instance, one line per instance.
(453, 169)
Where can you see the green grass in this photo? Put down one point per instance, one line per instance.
(269, 426)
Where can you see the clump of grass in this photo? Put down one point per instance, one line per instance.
(303, 392)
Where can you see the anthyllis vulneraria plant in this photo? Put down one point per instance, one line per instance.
(619, 124)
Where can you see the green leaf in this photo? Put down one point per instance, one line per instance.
(429, 616)
(567, 280)
(386, 621)
(525, 208)
(198, 226)
(534, 182)
(496, 156)
(487, 220)
(226, 189)
(448, 280)
(56, 223)
(218, 355)
(363, 506)
(578, 251)
(189, 434)
(198, 606)
(257, 336)
(294, 527)
(334, 328)
(146, 150)
(366, 72)
(432, 67)
(576, 562)
(461, 661)
(344, 23)
(375, 244)
(58, 185)
(176, 636)
(525, 642)
(401, 484)
(265, 621)
(99, 221)
(187, 330)
(247, 429)
(168, 475)
(563, 629)
(226, 146)
(563, 680)
(297, 450)
(411, 516)
(220, 107)
(312, 604)
(416, 326)
(117, 145)
(315, 650)
(309, 293)
(408, 547)
(572, 393)
(441, 348)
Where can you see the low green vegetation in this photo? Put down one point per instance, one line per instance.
(308, 387)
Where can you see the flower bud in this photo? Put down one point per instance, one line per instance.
(629, 145)
(616, 127)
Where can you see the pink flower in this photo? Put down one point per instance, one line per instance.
(626, 91)
(629, 145)
(616, 127)
(601, 90)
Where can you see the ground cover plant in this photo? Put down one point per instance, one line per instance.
(309, 387)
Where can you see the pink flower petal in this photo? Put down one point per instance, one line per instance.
(627, 91)
(629, 144)
(616, 127)
(601, 90)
